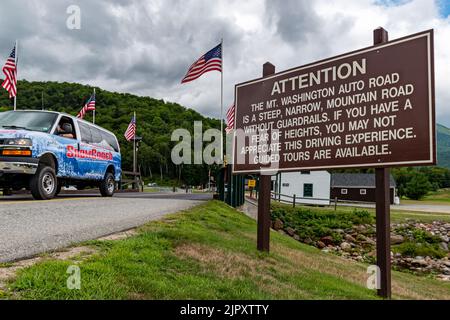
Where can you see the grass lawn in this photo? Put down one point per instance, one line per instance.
(401, 215)
(208, 252)
(442, 197)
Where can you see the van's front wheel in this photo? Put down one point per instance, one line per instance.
(43, 184)
(108, 185)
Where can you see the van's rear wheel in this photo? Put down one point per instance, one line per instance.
(108, 185)
(43, 184)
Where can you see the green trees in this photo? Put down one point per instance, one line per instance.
(418, 186)
(156, 119)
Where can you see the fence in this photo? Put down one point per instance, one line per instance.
(294, 200)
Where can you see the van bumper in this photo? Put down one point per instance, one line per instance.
(18, 165)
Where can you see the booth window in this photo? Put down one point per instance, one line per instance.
(362, 192)
(344, 191)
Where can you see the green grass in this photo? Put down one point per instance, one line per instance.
(208, 252)
(402, 215)
(441, 196)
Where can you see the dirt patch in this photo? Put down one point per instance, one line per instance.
(119, 235)
(239, 266)
(74, 252)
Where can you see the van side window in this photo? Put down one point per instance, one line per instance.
(111, 141)
(85, 132)
(96, 136)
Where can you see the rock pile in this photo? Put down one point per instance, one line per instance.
(358, 243)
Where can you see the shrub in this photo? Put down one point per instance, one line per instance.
(418, 186)
(315, 223)
(413, 249)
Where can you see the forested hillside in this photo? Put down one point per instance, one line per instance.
(156, 119)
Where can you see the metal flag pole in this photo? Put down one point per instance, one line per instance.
(221, 104)
(15, 60)
(93, 115)
(134, 144)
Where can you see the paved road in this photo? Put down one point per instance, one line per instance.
(29, 227)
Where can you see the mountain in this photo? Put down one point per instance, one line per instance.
(443, 146)
(156, 120)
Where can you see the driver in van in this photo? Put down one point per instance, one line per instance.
(65, 130)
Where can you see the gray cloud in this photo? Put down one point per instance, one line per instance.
(145, 47)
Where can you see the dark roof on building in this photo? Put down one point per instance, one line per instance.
(356, 180)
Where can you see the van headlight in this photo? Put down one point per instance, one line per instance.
(18, 142)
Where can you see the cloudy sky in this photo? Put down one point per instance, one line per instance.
(145, 47)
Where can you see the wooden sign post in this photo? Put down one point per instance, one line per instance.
(383, 201)
(263, 241)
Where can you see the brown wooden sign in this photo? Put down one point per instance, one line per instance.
(369, 108)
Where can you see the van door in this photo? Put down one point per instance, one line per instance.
(67, 145)
(93, 159)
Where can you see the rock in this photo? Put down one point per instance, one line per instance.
(443, 277)
(296, 237)
(419, 262)
(445, 238)
(397, 239)
(446, 271)
(349, 238)
(372, 253)
(278, 224)
(326, 250)
(369, 242)
(308, 241)
(419, 258)
(361, 237)
(360, 228)
(443, 246)
(328, 240)
(290, 231)
(346, 246)
(320, 245)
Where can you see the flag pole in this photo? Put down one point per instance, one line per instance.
(134, 145)
(15, 61)
(93, 115)
(221, 105)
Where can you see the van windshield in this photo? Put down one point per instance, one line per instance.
(27, 120)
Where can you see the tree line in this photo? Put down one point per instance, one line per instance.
(156, 120)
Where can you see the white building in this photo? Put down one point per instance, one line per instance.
(309, 187)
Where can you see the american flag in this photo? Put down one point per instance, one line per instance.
(89, 106)
(131, 130)
(230, 119)
(210, 61)
(10, 71)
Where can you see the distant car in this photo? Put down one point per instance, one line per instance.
(152, 184)
(44, 150)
